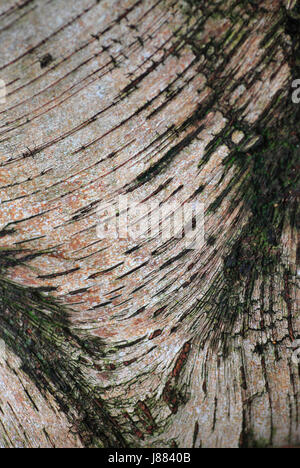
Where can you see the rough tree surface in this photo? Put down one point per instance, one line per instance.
(119, 343)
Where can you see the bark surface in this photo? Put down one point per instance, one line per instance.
(119, 343)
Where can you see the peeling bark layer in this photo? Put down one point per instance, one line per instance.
(118, 343)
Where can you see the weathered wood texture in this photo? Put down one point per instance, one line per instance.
(119, 343)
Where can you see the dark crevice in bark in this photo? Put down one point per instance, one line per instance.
(36, 328)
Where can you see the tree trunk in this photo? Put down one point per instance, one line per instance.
(125, 343)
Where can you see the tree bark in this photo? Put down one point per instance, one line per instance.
(123, 343)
